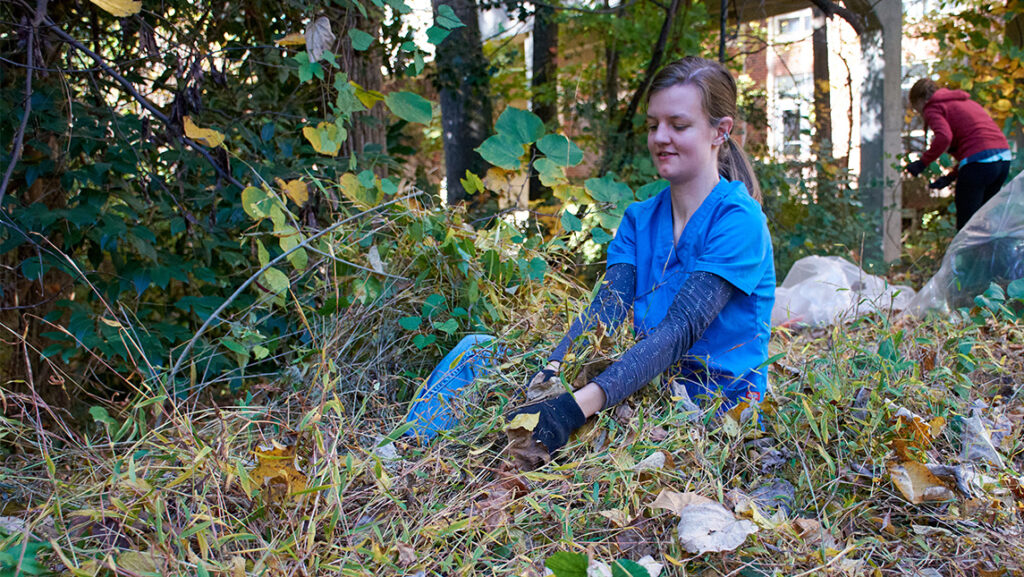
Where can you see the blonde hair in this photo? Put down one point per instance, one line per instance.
(921, 92)
(718, 99)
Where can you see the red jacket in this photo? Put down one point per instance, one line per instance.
(960, 125)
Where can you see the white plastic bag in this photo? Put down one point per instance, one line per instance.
(824, 290)
(990, 248)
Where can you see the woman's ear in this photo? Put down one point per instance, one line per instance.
(724, 128)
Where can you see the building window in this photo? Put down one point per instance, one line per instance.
(791, 141)
(793, 26)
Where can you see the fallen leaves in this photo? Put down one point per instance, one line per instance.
(527, 453)
(276, 472)
(710, 527)
(917, 483)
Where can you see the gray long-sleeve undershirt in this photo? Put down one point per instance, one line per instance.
(700, 299)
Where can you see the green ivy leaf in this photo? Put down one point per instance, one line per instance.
(100, 415)
(360, 40)
(551, 173)
(607, 189)
(1015, 290)
(600, 235)
(472, 183)
(649, 190)
(448, 327)
(275, 280)
(410, 323)
(447, 18)
(255, 202)
(627, 568)
(436, 35)
(570, 222)
(502, 151)
(410, 106)
(422, 341)
(432, 304)
(560, 149)
(523, 125)
(565, 564)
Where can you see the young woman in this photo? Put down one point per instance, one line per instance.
(694, 264)
(962, 127)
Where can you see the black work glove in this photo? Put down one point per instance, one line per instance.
(941, 182)
(557, 419)
(915, 168)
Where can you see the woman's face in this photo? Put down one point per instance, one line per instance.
(682, 142)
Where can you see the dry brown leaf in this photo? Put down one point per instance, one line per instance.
(659, 434)
(120, 8)
(277, 472)
(917, 483)
(406, 554)
(653, 462)
(500, 495)
(293, 39)
(541, 389)
(319, 38)
(527, 453)
(807, 529)
(138, 562)
(709, 527)
(618, 517)
(676, 502)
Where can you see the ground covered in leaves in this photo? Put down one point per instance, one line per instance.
(889, 447)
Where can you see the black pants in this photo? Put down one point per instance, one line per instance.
(976, 183)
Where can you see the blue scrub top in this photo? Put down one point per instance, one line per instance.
(728, 236)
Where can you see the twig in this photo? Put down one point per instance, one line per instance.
(254, 276)
(141, 99)
(19, 137)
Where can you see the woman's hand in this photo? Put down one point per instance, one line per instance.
(557, 418)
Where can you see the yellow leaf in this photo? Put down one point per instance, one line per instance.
(526, 421)
(326, 138)
(293, 39)
(1002, 105)
(120, 8)
(276, 471)
(367, 97)
(917, 483)
(206, 136)
(295, 190)
(138, 562)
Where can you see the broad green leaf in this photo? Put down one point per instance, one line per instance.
(409, 106)
(523, 125)
(1015, 290)
(627, 568)
(607, 189)
(275, 281)
(400, 6)
(551, 173)
(502, 151)
(437, 34)
(432, 304)
(262, 253)
(354, 190)
(565, 564)
(600, 235)
(560, 150)
(360, 40)
(651, 189)
(423, 340)
(570, 222)
(100, 415)
(447, 18)
(410, 323)
(448, 327)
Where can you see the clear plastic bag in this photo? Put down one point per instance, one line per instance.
(990, 248)
(824, 290)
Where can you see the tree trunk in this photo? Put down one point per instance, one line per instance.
(822, 90)
(368, 128)
(463, 82)
(544, 82)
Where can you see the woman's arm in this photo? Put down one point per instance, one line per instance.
(609, 307)
(695, 306)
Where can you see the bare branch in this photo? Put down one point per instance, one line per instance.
(19, 137)
(102, 63)
(856, 21)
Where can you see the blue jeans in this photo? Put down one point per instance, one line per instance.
(437, 404)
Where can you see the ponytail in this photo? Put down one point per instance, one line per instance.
(733, 164)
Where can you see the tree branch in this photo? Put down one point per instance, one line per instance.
(19, 137)
(856, 21)
(102, 63)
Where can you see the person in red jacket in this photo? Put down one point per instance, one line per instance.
(961, 127)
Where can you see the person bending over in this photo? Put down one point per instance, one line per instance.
(963, 128)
